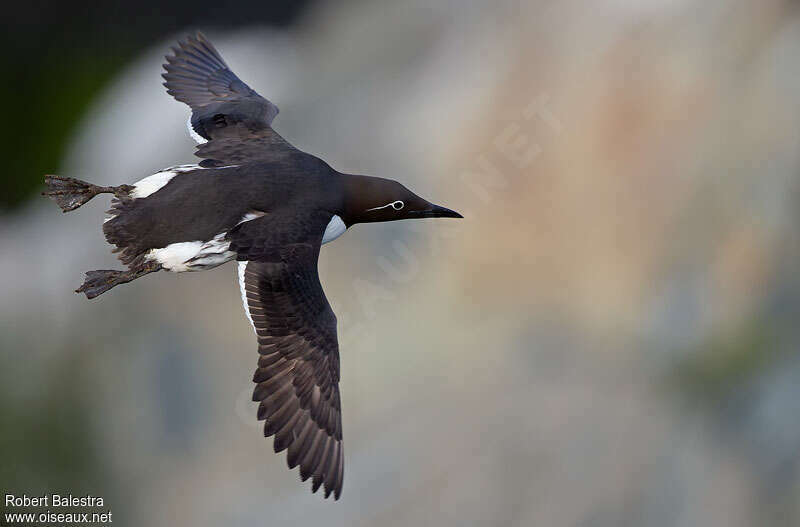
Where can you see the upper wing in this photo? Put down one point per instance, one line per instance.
(297, 379)
(197, 75)
(238, 144)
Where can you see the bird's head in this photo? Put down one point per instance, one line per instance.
(371, 199)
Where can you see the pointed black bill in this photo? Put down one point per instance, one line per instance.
(435, 211)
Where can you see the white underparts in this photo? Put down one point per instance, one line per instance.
(181, 257)
(175, 256)
(193, 256)
(211, 254)
(197, 137)
(242, 267)
(154, 183)
(335, 228)
(151, 184)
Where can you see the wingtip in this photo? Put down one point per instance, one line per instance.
(278, 446)
(316, 484)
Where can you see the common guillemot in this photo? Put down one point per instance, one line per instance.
(256, 199)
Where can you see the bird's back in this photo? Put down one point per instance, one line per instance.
(199, 204)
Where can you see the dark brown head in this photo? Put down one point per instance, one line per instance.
(370, 199)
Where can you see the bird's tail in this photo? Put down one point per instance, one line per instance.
(70, 193)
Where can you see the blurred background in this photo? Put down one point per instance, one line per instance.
(609, 338)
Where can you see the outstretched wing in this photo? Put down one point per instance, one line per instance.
(297, 379)
(197, 75)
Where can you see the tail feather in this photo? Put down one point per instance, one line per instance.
(70, 193)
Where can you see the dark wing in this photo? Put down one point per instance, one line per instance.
(297, 379)
(237, 145)
(197, 75)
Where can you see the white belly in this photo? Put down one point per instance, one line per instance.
(193, 256)
(200, 255)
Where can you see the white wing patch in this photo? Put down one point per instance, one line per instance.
(335, 228)
(242, 267)
(197, 137)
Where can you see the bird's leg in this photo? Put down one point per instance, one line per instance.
(70, 193)
(100, 281)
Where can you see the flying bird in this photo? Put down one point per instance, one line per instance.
(256, 199)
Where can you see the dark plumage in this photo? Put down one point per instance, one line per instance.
(256, 199)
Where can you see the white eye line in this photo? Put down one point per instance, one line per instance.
(392, 204)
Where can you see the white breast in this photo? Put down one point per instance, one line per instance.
(335, 228)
